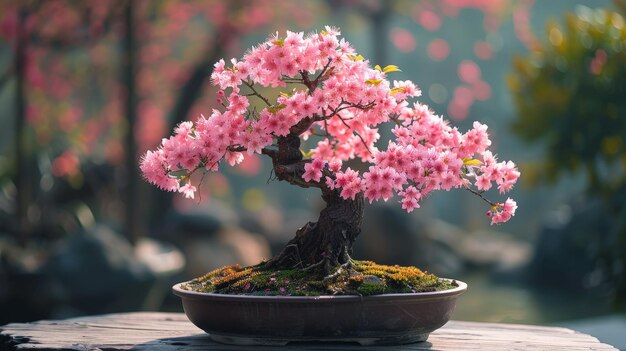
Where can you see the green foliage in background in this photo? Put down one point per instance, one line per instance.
(571, 94)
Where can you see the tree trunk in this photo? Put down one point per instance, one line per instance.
(23, 178)
(133, 223)
(326, 243)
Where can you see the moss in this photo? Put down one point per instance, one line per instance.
(364, 278)
(366, 289)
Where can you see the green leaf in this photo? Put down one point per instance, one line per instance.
(471, 162)
(391, 68)
(378, 68)
(307, 154)
(179, 173)
(397, 90)
(356, 58)
(373, 81)
(274, 109)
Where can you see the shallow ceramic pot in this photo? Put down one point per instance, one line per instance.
(277, 320)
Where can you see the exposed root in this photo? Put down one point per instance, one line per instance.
(323, 261)
(344, 268)
(297, 253)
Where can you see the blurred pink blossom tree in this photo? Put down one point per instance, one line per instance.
(75, 89)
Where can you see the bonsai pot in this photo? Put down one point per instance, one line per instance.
(277, 320)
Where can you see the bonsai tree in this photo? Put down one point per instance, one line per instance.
(317, 87)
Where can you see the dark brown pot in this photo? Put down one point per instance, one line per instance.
(277, 320)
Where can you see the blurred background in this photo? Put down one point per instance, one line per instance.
(87, 87)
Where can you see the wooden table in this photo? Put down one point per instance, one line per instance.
(173, 331)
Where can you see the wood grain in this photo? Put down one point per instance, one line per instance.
(173, 331)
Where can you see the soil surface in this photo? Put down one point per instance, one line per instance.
(356, 278)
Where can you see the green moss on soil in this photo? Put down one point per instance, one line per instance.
(364, 278)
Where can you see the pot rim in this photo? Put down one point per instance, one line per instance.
(461, 287)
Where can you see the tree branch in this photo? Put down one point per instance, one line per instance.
(357, 134)
(288, 80)
(292, 173)
(265, 151)
(396, 120)
(324, 135)
(480, 195)
(319, 76)
(307, 81)
(254, 92)
(302, 126)
(344, 105)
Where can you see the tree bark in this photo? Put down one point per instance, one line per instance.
(327, 243)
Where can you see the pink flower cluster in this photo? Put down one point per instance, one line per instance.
(313, 170)
(334, 91)
(428, 154)
(501, 213)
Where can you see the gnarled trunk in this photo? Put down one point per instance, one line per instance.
(326, 243)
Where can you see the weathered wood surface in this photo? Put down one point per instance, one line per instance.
(173, 331)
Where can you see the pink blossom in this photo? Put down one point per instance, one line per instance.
(335, 166)
(184, 128)
(324, 150)
(409, 204)
(234, 158)
(503, 212)
(410, 198)
(154, 168)
(483, 182)
(468, 71)
(438, 49)
(313, 170)
(350, 183)
(407, 89)
(188, 190)
(341, 103)
(330, 183)
(428, 19)
(403, 39)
